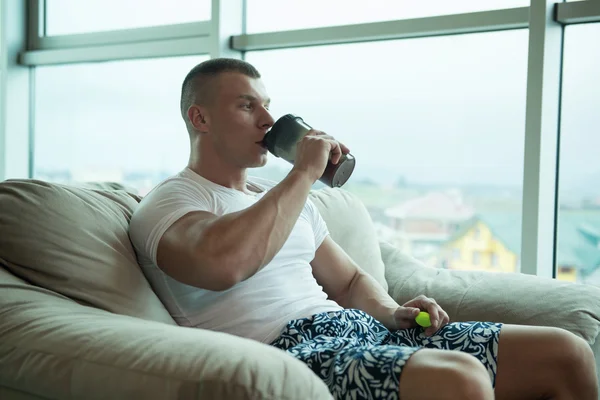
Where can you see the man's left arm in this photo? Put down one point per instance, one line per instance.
(349, 286)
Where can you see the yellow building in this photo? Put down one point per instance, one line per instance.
(493, 244)
(477, 248)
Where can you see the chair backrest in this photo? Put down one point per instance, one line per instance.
(73, 241)
(351, 226)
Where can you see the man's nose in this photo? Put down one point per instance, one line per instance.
(267, 119)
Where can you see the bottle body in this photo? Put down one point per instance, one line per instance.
(282, 141)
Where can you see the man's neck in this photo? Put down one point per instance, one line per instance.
(208, 165)
(224, 175)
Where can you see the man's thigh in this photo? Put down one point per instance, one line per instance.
(535, 361)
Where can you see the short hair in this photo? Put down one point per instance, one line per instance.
(195, 85)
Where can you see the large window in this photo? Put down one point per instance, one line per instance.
(578, 244)
(437, 128)
(277, 15)
(437, 124)
(115, 121)
(65, 17)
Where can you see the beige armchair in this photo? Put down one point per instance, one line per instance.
(78, 320)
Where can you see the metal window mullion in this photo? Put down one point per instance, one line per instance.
(31, 115)
(227, 21)
(14, 92)
(541, 141)
(35, 22)
(124, 36)
(577, 12)
(484, 21)
(161, 48)
(3, 67)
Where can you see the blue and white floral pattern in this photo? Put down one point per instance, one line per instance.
(359, 358)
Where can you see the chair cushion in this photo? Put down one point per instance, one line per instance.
(54, 348)
(351, 227)
(511, 298)
(74, 241)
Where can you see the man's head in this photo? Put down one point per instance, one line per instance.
(199, 84)
(225, 107)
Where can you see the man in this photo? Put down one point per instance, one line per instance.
(253, 258)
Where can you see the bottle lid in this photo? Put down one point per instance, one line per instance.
(341, 171)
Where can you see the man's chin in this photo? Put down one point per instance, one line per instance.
(261, 163)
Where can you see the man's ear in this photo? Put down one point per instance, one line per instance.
(198, 117)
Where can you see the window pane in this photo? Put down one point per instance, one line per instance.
(578, 241)
(115, 121)
(437, 128)
(276, 15)
(75, 16)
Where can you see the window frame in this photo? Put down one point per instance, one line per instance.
(224, 35)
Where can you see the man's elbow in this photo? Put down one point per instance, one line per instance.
(344, 296)
(226, 270)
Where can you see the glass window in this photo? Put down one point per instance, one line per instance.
(476, 258)
(456, 254)
(578, 238)
(494, 260)
(436, 126)
(65, 17)
(275, 15)
(114, 121)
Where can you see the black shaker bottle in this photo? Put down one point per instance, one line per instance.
(283, 137)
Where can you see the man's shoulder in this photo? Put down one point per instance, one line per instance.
(176, 191)
(169, 199)
(167, 187)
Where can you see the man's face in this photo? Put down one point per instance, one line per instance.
(239, 119)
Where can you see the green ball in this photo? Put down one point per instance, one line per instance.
(423, 319)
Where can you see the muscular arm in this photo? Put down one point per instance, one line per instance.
(349, 286)
(211, 252)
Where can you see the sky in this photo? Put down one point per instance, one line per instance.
(447, 110)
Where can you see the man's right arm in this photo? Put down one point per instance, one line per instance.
(210, 252)
(216, 252)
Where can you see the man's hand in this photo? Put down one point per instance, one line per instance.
(314, 150)
(405, 315)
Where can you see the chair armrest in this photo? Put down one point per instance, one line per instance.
(511, 298)
(53, 347)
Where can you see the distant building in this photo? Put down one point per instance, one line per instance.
(97, 175)
(428, 221)
(593, 203)
(579, 244)
(58, 176)
(492, 242)
(393, 237)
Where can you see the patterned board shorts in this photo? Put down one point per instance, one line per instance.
(359, 358)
